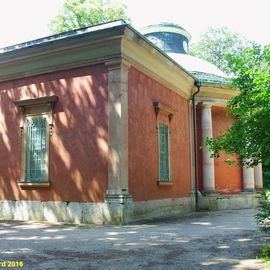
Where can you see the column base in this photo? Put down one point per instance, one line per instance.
(210, 193)
(119, 208)
(248, 190)
(193, 193)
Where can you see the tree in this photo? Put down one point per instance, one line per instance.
(82, 13)
(249, 135)
(216, 43)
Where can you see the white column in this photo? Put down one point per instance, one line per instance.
(207, 162)
(258, 175)
(248, 179)
(192, 148)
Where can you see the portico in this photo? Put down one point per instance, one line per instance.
(252, 178)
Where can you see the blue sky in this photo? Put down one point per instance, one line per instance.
(22, 20)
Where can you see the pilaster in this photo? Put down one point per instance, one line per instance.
(117, 196)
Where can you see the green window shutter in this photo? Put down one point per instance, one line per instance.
(36, 148)
(163, 152)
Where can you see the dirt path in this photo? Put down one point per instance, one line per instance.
(215, 240)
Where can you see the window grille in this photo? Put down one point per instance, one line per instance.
(36, 145)
(163, 152)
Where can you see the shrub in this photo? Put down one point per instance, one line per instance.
(266, 176)
(263, 210)
(265, 253)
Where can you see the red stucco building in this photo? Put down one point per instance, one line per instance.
(96, 126)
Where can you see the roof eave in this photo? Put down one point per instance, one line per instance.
(59, 52)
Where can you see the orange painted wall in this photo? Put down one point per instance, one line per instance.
(78, 146)
(228, 178)
(143, 140)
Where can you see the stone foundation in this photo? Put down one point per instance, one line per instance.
(113, 211)
(160, 209)
(55, 211)
(119, 210)
(243, 200)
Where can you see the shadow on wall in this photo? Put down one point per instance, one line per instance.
(78, 154)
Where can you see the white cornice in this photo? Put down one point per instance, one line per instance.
(72, 52)
(121, 42)
(215, 94)
(146, 58)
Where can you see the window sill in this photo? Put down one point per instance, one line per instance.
(165, 183)
(34, 184)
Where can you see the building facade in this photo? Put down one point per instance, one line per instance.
(96, 126)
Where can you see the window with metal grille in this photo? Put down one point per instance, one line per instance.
(36, 127)
(164, 171)
(36, 148)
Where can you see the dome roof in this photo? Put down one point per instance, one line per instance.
(173, 40)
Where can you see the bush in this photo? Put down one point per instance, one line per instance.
(263, 210)
(266, 176)
(265, 253)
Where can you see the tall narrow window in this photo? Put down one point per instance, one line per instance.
(164, 166)
(164, 116)
(36, 145)
(36, 125)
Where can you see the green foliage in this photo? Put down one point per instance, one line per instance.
(265, 253)
(249, 135)
(263, 210)
(216, 43)
(266, 176)
(76, 14)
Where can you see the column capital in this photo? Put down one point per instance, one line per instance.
(207, 104)
(118, 63)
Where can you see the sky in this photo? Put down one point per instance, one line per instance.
(24, 20)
